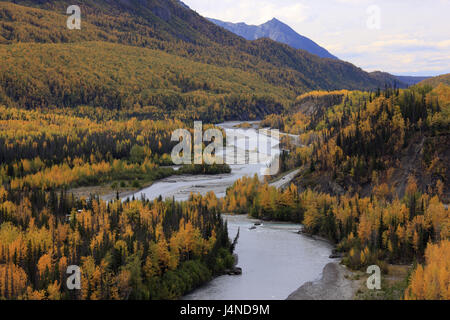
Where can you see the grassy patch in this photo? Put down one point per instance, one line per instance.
(393, 285)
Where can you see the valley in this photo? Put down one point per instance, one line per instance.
(89, 122)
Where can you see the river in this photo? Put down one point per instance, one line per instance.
(275, 259)
(180, 187)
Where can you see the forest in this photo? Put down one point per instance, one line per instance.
(41, 149)
(152, 84)
(159, 249)
(131, 250)
(364, 141)
(367, 230)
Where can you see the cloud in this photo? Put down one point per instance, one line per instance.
(443, 44)
(250, 11)
(416, 44)
(398, 44)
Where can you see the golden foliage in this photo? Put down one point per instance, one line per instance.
(432, 281)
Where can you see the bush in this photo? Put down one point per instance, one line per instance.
(136, 184)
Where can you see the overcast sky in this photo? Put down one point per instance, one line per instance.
(404, 37)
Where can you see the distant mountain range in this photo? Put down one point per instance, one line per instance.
(401, 81)
(410, 81)
(277, 31)
(281, 32)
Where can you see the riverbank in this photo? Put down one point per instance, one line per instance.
(337, 283)
(106, 192)
(340, 283)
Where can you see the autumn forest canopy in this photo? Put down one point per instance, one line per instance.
(97, 107)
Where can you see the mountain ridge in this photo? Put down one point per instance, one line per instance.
(278, 31)
(436, 81)
(412, 80)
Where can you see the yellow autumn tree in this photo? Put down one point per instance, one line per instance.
(432, 281)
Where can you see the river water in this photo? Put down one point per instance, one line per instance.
(275, 259)
(180, 187)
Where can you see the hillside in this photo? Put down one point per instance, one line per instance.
(167, 86)
(277, 31)
(364, 142)
(434, 82)
(163, 26)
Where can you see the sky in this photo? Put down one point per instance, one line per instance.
(402, 37)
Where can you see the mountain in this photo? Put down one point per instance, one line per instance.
(410, 81)
(389, 79)
(277, 31)
(206, 71)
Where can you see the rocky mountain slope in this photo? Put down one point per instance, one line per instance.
(277, 31)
